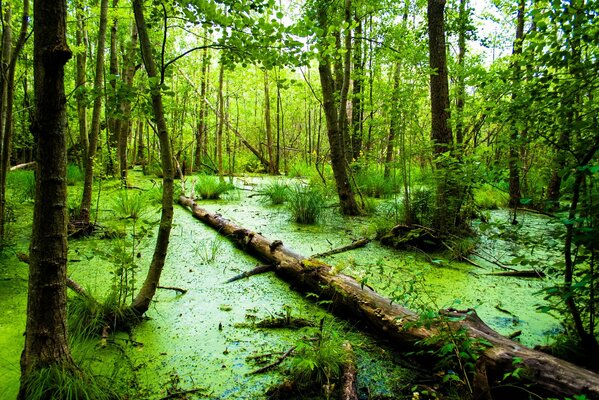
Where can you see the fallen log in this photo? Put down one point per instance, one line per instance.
(354, 245)
(528, 273)
(349, 383)
(29, 165)
(550, 375)
(260, 269)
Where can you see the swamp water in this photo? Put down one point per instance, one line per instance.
(204, 338)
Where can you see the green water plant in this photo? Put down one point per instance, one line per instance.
(306, 203)
(211, 187)
(275, 192)
(22, 184)
(208, 250)
(74, 174)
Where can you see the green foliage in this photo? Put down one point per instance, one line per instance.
(276, 192)
(319, 362)
(306, 204)
(129, 204)
(211, 187)
(74, 174)
(68, 383)
(22, 185)
(488, 197)
(422, 206)
(373, 183)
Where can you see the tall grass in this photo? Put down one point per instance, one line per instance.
(22, 184)
(129, 204)
(211, 187)
(373, 183)
(276, 192)
(74, 174)
(306, 203)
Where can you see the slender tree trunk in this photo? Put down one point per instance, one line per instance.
(8, 126)
(4, 61)
(46, 342)
(394, 120)
(461, 84)
(514, 150)
(221, 119)
(114, 122)
(344, 84)
(357, 93)
(344, 189)
(86, 201)
(141, 303)
(201, 130)
(269, 142)
(80, 82)
(125, 125)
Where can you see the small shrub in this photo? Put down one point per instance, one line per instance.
(300, 170)
(276, 192)
(373, 183)
(422, 206)
(306, 204)
(319, 363)
(129, 205)
(74, 174)
(211, 187)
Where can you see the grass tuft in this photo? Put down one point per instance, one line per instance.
(211, 187)
(74, 174)
(276, 192)
(22, 185)
(306, 204)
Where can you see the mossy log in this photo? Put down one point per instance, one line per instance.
(551, 376)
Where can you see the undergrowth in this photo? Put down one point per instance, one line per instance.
(306, 203)
(211, 187)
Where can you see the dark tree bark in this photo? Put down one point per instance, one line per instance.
(46, 341)
(336, 136)
(441, 134)
(7, 133)
(86, 201)
(112, 106)
(461, 85)
(441, 129)
(353, 300)
(514, 150)
(141, 303)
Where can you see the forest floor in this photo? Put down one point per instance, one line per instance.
(207, 338)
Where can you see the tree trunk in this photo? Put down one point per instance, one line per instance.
(129, 69)
(46, 341)
(8, 126)
(80, 83)
(394, 120)
(461, 84)
(357, 93)
(114, 120)
(345, 191)
(221, 119)
(441, 134)
(269, 141)
(351, 299)
(201, 149)
(514, 153)
(141, 303)
(86, 201)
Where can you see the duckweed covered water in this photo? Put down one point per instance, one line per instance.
(205, 338)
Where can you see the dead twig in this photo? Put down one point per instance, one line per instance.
(274, 363)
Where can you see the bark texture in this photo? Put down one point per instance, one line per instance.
(549, 374)
(46, 330)
(141, 303)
